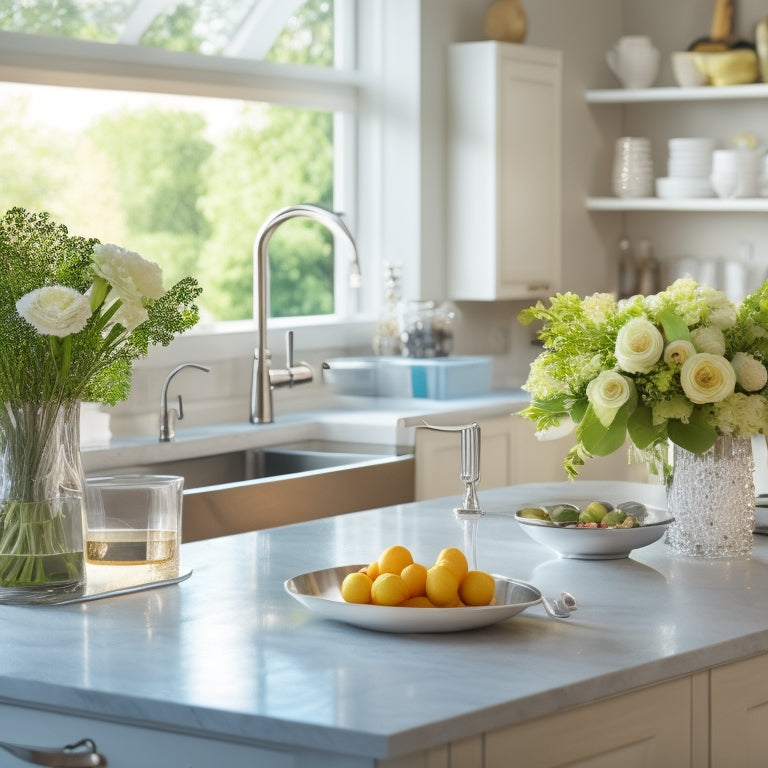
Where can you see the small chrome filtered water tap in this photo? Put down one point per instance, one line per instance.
(169, 416)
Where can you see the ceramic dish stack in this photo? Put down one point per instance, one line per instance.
(689, 169)
(633, 167)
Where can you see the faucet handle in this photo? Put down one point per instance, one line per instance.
(289, 349)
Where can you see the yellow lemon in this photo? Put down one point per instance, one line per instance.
(393, 559)
(453, 559)
(477, 588)
(356, 588)
(389, 589)
(373, 570)
(415, 578)
(417, 602)
(442, 586)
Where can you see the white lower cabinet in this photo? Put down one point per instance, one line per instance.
(510, 454)
(714, 718)
(739, 694)
(648, 727)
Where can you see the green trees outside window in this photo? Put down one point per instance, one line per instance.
(169, 178)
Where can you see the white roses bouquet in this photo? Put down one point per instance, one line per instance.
(684, 365)
(74, 314)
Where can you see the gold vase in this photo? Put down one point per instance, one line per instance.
(506, 21)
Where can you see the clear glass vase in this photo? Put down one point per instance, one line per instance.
(41, 502)
(712, 499)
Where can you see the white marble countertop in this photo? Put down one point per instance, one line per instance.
(228, 653)
(386, 421)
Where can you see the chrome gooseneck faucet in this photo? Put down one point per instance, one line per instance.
(264, 378)
(169, 416)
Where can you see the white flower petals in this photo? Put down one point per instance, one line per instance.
(751, 374)
(708, 338)
(131, 276)
(607, 393)
(707, 378)
(677, 352)
(639, 345)
(55, 310)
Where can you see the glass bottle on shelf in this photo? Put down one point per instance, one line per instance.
(648, 270)
(627, 269)
(386, 340)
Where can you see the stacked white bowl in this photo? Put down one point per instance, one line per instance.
(633, 167)
(689, 169)
(737, 172)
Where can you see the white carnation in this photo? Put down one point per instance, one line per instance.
(708, 338)
(751, 374)
(55, 310)
(131, 314)
(639, 345)
(131, 276)
(707, 378)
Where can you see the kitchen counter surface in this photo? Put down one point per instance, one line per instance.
(229, 654)
(386, 421)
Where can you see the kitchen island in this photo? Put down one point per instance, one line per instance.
(227, 669)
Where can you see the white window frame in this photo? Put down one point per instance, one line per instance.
(353, 94)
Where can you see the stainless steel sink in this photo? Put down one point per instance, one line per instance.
(259, 463)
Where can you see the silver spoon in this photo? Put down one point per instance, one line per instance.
(559, 607)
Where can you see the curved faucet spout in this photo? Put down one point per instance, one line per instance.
(262, 382)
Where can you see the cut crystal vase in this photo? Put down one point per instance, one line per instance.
(712, 499)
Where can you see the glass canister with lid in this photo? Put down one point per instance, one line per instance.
(427, 329)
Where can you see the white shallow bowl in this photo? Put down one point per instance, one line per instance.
(669, 188)
(320, 591)
(597, 543)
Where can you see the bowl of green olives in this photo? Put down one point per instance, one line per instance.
(594, 530)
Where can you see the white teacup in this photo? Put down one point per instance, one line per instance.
(634, 60)
(687, 73)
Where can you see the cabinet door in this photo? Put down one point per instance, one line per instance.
(503, 171)
(438, 459)
(739, 702)
(541, 461)
(643, 729)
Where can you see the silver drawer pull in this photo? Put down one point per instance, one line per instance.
(67, 757)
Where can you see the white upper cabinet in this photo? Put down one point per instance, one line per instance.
(503, 231)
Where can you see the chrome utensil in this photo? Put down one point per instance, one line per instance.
(67, 757)
(560, 607)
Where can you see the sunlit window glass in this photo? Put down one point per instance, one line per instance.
(184, 181)
(274, 30)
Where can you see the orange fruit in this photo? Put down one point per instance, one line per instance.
(389, 589)
(455, 560)
(373, 570)
(417, 602)
(356, 588)
(393, 559)
(442, 585)
(415, 578)
(477, 588)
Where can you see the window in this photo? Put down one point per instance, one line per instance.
(175, 129)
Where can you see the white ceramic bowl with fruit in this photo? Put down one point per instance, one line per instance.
(597, 530)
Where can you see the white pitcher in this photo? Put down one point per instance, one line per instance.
(635, 61)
